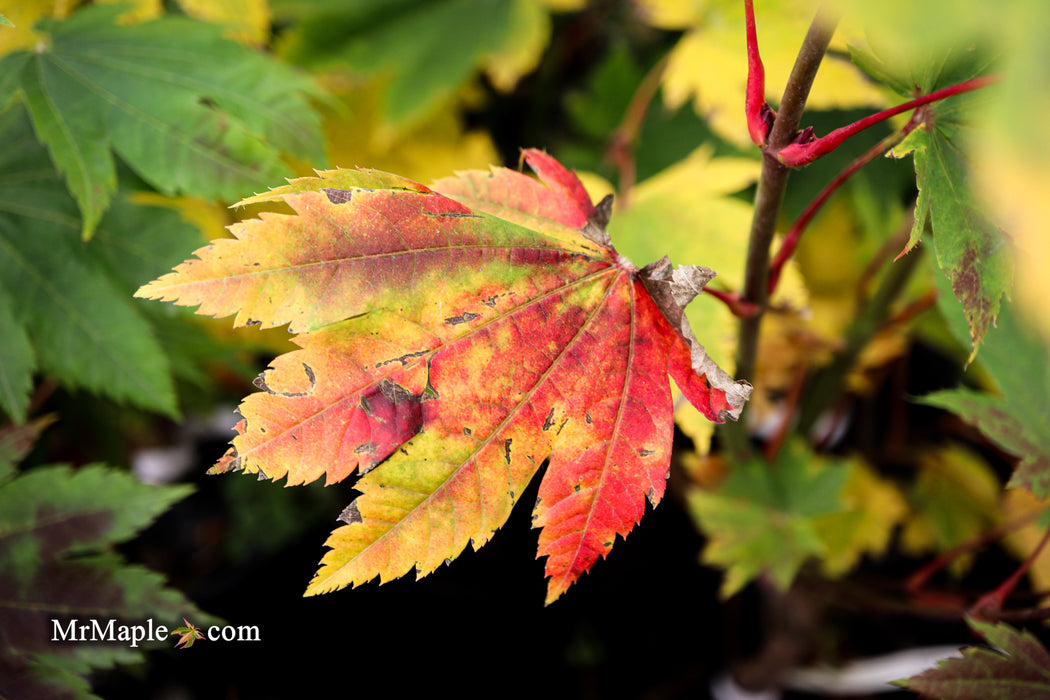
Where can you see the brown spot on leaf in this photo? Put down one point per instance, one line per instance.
(594, 229)
(969, 290)
(260, 383)
(403, 359)
(338, 196)
(468, 432)
(491, 301)
(506, 449)
(549, 420)
(645, 453)
(396, 393)
(351, 515)
(465, 317)
(455, 215)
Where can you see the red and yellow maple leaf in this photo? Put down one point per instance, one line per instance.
(453, 338)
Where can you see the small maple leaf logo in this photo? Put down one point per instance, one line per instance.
(189, 634)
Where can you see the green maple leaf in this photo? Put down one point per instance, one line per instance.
(970, 249)
(65, 309)
(1018, 668)
(453, 338)
(188, 110)
(57, 529)
(765, 518)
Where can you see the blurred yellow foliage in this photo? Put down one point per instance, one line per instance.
(1020, 503)
(357, 135)
(709, 63)
(246, 21)
(530, 33)
(875, 508)
(955, 498)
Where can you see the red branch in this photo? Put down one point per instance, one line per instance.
(990, 605)
(807, 149)
(759, 115)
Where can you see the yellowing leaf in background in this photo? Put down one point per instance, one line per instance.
(954, 498)
(529, 33)
(564, 5)
(23, 16)
(764, 518)
(709, 64)
(1018, 503)
(247, 21)
(357, 133)
(874, 509)
(833, 257)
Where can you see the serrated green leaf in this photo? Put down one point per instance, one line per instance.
(970, 249)
(19, 360)
(1017, 667)
(763, 518)
(83, 326)
(74, 135)
(11, 67)
(189, 110)
(56, 528)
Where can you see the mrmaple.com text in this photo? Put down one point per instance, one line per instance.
(93, 630)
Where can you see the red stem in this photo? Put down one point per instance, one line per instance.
(989, 606)
(740, 307)
(759, 115)
(787, 248)
(918, 579)
(796, 154)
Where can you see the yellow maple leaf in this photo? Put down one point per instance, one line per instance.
(246, 21)
(357, 134)
(709, 63)
(955, 498)
(530, 31)
(1019, 503)
(875, 508)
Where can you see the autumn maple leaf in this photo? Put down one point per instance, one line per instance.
(453, 338)
(188, 634)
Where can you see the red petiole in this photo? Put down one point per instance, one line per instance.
(740, 307)
(989, 606)
(787, 248)
(806, 149)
